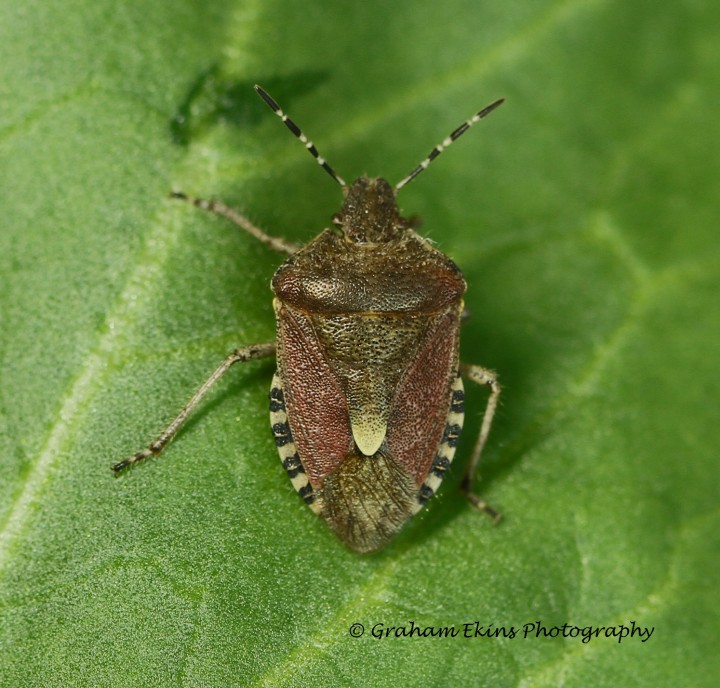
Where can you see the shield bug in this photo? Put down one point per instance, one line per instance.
(367, 403)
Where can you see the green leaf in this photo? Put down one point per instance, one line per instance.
(584, 215)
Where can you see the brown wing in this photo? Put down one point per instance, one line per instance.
(317, 411)
(420, 407)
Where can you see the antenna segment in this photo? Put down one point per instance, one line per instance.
(450, 139)
(295, 129)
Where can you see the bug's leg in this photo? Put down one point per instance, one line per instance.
(481, 376)
(213, 206)
(247, 353)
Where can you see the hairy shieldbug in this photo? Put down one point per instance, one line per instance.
(367, 403)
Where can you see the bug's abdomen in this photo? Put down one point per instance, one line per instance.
(287, 448)
(366, 500)
(448, 445)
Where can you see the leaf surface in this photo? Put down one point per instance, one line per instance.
(584, 216)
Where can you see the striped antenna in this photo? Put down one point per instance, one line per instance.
(450, 139)
(295, 129)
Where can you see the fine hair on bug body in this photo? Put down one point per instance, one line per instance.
(367, 402)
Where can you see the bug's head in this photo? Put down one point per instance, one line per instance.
(370, 213)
